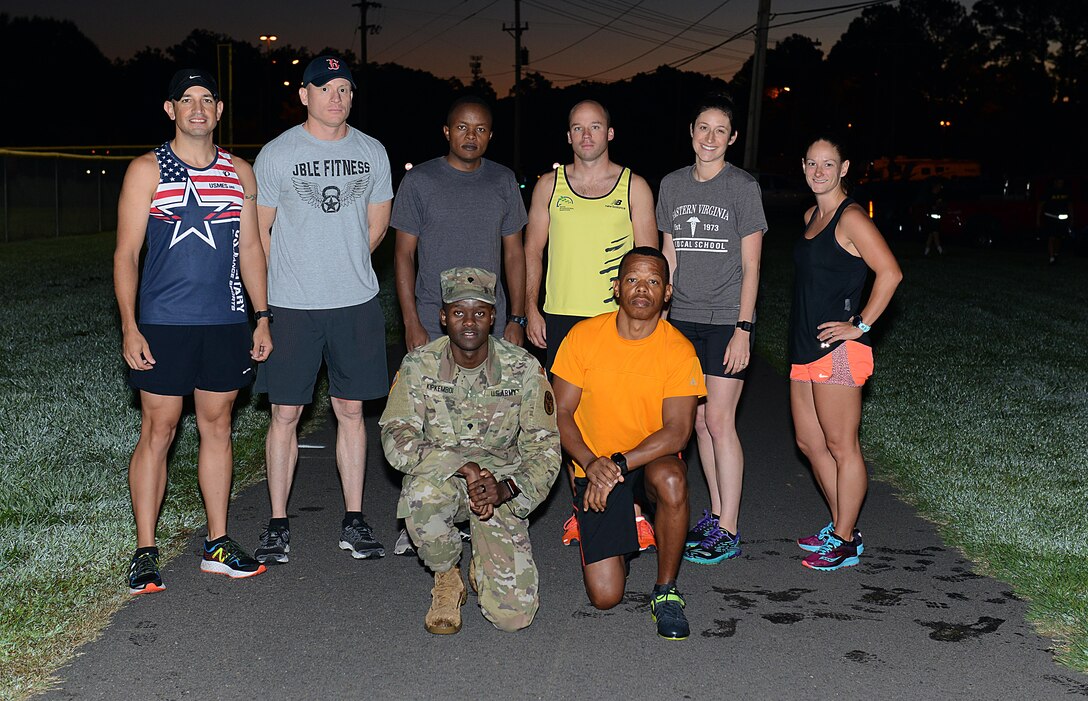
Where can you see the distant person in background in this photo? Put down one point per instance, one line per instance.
(931, 211)
(588, 214)
(1055, 218)
(829, 346)
(711, 218)
(324, 203)
(193, 205)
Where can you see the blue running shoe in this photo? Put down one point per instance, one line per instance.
(834, 554)
(701, 530)
(813, 543)
(667, 609)
(719, 545)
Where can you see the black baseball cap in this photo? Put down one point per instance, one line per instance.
(187, 78)
(325, 68)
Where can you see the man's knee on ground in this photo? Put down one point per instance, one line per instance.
(604, 585)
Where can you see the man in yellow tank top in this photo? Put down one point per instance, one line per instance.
(588, 213)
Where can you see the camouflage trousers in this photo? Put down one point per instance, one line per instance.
(506, 575)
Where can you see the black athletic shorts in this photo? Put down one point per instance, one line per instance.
(556, 327)
(351, 341)
(612, 532)
(710, 341)
(211, 358)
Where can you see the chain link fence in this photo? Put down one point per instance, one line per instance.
(49, 193)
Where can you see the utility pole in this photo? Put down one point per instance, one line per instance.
(755, 98)
(516, 31)
(364, 30)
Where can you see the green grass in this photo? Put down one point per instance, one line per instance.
(978, 411)
(68, 425)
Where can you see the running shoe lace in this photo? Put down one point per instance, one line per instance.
(272, 537)
(831, 543)
(142, 566)
(233, 550)
(359, 531)
(716, 536)
(704, 523)
(669, 604)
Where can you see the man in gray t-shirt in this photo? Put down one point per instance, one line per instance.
(323, 204)
(460, 210)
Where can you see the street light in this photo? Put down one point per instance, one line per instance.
(268, 39)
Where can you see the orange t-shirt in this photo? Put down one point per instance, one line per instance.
(624, 382)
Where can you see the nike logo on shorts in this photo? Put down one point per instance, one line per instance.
(822, 376)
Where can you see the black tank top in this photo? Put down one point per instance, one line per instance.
(827, 286)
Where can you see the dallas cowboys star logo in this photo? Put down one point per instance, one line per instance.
(195, 217)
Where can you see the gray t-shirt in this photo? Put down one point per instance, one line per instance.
(320, 255)
(706, 222)
(459, 219)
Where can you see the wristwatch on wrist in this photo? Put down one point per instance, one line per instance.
(520, 320)
(621, 462)
(856, 321)
(745, 326)
(263, 314)
(512, 487)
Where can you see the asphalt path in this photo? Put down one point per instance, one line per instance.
(913, 620)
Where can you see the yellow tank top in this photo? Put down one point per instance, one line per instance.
(586, 239)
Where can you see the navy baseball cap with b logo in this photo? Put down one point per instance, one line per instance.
(325, 68)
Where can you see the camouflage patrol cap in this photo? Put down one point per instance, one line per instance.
(468, 283)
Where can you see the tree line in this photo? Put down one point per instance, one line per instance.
(1003, 83)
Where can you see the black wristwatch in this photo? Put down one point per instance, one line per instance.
(520, 320)
(621, 462)
(513, 487)
(745, 326)
(263, 314)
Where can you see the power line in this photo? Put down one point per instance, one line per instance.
(598, 30)
(436, 36)
(658, 46)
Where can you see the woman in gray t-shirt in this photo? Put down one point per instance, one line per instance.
(711, 218)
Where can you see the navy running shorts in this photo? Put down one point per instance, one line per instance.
(211, 358)
(710, 341)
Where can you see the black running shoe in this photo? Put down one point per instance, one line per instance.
(227, 557)
(274, 546)
(359, 539)
(143, 574)
(667, 607)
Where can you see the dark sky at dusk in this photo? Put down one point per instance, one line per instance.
(568, 41)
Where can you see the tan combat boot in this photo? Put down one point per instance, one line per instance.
(447, 598)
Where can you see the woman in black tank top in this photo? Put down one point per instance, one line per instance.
(829, 347)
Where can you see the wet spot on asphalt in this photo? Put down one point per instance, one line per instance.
(723, 629)
(784, 618)
(945, 632)
(861, 657)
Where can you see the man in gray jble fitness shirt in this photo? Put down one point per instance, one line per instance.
(323, 204)
(459, 210)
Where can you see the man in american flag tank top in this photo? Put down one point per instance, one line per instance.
(193, 205)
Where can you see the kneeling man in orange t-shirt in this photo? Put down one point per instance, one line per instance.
(626, 385)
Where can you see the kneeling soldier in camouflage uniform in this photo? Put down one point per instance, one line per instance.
(471, 422)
